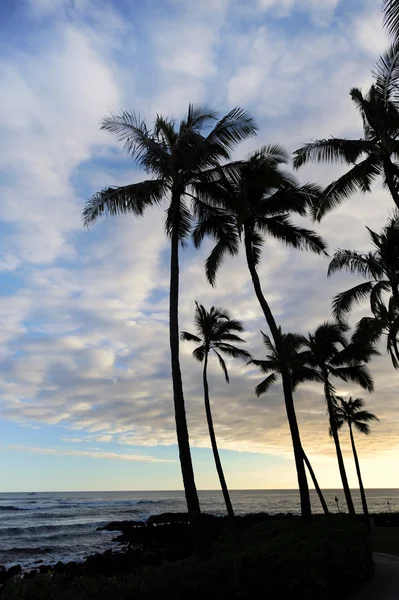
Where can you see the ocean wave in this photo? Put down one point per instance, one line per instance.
(28, 551)
(66, 528)
(11, 508)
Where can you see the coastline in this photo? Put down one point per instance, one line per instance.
(164, 537)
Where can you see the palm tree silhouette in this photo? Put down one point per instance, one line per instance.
(327, 355)
(390, 10)
(216, 334)
(293, 344)
(384, 322)
(243, 203)
(374, 155)
(353, 414)
(380, 267)
(176, 155)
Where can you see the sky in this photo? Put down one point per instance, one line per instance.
(85, 388)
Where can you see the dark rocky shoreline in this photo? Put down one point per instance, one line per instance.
(166, 537)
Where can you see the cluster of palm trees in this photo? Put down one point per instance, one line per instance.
(241, 202)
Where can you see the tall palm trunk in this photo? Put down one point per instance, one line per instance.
(389, 176)
(186, 464)
(359, 476)
(215, 450)
(288, 397)
(316, 484)
(334, 432)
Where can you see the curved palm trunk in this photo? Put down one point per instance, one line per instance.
(359, 476)
(187, 470)
(316, 484)
(288, 397)
(341, 465)
(395, 346)
(389, 176)
(215, 450)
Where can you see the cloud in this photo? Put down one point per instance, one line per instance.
(49, 119)
(320, 12)
(87, 454)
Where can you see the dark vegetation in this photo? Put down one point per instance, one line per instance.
(276, 557)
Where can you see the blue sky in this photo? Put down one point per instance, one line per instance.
(85, 394)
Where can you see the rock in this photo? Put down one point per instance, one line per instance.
(44, 569)
(167, 518)
(14, 570)
(59, 567)
(3, 574)
(31, 574)
(72, 568)
(121, 525)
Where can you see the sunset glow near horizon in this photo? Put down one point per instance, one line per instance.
(85, 387)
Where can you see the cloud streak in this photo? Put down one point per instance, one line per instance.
(87, 454)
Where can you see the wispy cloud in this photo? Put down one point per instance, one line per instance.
(86, 453)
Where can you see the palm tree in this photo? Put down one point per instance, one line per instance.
(175, 155)
(293, 344)
(243, 203)
(372, 156)
(353, 414)
(216, 333)
(380, 267)
(329, 355)
(384, 322)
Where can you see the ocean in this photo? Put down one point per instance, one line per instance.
(47, 527)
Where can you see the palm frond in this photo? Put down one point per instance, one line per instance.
(271, 152)
(265, 365)
(199, 117)
(165, 133)
(366, 416)
(362, 427)
(291, 199)
(215, 260)
(265, 384)
(304, 374)
(190, 337)
(138, 141)
(376, 294)
(199, 353)
(134, 198)
(223, 366)
(359, 178)
(230, 337)
(232, 351)
(229, 325)
(232, 129)
(358, 374)
(343, 302)
(284, 230)
(330, 150)
(386, 73)
(178, 216)
(390, 11)
(330, 334)
(356, 352)
(366, 265)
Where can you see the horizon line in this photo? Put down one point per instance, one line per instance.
(182, 491)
